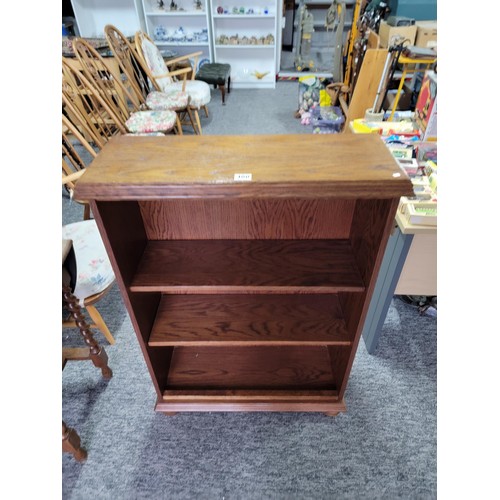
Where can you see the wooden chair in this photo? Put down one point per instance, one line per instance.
(132, 68)
(71, 442)
(98, 122)
(87, 124)
(125, 104)
(84, 105)
(73, 162)
(165, 78)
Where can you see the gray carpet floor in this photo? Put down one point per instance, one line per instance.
(383, 447)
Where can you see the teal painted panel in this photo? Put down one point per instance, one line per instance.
(420, 10)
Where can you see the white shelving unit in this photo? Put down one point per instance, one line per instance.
(181, 31)
(92, 16)
(247, 40)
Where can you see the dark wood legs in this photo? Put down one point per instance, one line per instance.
(71, 443)
(222, 88)
(95, 352)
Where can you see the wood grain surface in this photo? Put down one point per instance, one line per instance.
(253, 367)
(247, 219)
(247, 266)
(282, 166)
(201, 320)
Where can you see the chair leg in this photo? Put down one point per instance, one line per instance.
(206, 110)
(198, 123)
(178, 126)
(71, 443)
(96, 353)
(192, 120)
(99, 322)
(223, 92)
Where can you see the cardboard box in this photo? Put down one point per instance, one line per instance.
(426, 34)
(404, 102)
(389, 35)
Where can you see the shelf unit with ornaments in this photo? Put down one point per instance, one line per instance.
(246, 38)
(180, 27)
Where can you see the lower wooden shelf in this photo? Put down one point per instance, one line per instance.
(253, 378)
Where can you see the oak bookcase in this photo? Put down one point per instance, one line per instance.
(246, 263)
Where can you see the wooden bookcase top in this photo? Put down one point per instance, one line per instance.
(314, 166)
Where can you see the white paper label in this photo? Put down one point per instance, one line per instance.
(242, 177)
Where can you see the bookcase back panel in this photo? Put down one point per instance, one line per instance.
(247, 219)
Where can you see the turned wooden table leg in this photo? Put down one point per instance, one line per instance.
(96, 353)
(71, 443)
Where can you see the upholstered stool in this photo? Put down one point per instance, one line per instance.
(216, 74)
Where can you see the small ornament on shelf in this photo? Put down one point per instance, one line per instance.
(173, 5)
(160, 32)
(198, 5)
(161, 5)
(259, 75)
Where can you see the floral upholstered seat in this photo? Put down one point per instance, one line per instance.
(174, 100)
(151, 121)
(94, 271)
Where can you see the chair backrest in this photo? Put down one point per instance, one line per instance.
(85, 107)
(107, 81)
(131, 65)
(73, 155)
(87, 124)
(154, 61)
(77, 153)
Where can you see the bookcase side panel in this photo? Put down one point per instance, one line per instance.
(372, 223)
(122, 230)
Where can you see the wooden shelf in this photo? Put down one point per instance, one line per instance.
(204, 320)
(247, 266)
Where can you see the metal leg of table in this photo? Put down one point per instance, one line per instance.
(390, 270)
